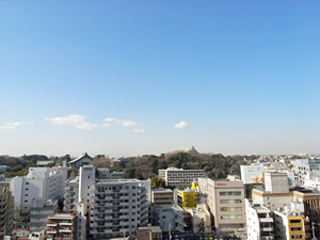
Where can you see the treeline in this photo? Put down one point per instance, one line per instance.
(214, 165)
(20, 165)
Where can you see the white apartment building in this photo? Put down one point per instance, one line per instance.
(307, 168)
(180, 178)
(226, 204)
(39, 212)
(118, 208)
(259, 220)
(44, 182)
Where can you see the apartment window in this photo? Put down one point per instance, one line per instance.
(25, 200)
(231, 209)
(27, 189)
(27, 183)
(26, 195)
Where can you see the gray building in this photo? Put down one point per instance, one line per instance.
(39, 211)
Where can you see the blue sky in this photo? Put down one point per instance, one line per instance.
(137, 77)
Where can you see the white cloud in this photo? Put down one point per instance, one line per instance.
(107, 125)
(123, 123)
(128, 123)
(14, 125)
(74, 120)
(181, 125)
(141, 130)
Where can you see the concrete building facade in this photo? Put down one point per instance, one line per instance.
(161, 197)
(39, 212)
(47, 183)
(226, 204)
(62, 226)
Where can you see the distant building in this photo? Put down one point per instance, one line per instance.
(188, 150)
(161, 197)
(260, 224)
(226, 204)
(85, 159)
(6, 209)
(180, 178)
(188, 198)
(4, 168)
(40, 210)
(307, 168)
(250, 172)
(104, 173)
(62, 226)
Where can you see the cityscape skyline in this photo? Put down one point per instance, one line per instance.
(149, 77)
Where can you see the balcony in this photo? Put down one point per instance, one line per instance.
(65, 224)
(52, 232)
(65, 230)
(267, 229)
(51, 225)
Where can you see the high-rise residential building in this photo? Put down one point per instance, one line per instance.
(62, 225)
(226, 204)
(71, 195)
(180, 178)
(39, 212)
(6, 209)
(260, 224)
(44, 182)
(118, 207)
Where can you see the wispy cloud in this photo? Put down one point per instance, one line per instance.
(181, 125)
(14, 125)
(137, 130)
(74, 120)
(124, 123)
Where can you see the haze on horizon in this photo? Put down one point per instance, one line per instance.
(133, 78)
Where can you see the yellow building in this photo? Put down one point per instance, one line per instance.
(189, 197)
(288, 226)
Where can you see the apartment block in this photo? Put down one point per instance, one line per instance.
(47, 183)
(226, 204)
(71, 195)
(180, 178)
(161, 197)
(117, 208)
(260, 224)
(6, 209)
(62, 226)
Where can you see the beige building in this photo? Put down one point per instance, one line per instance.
(180, 178)
(6, 209)
(149, 233)
(199, 219)
(226, 204)
(276, 194)
(161, 197)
